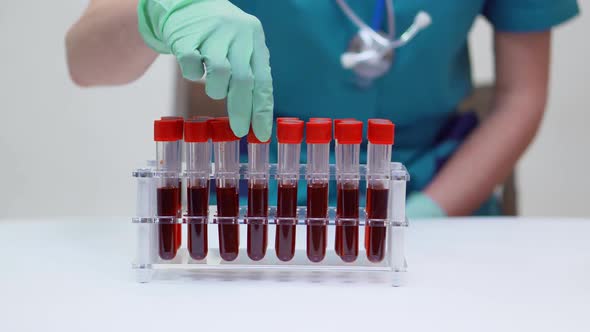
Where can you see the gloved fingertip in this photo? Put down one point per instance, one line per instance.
(239, 129)
(262, 130)
(263, 136)
(214, 92)
(422, 206)
(191, 67)
(189, 76)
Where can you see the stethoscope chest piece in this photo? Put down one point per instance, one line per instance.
(376, 66)
(370, 53)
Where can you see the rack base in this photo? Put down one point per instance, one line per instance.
(331, 270)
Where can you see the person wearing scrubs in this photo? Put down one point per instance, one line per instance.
(348, 59)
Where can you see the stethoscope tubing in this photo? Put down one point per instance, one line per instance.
(380, 7)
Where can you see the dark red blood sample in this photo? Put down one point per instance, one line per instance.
(377, 203)
(257, 228)
(257, 240)
(227, 202)
(317, 200)
(179, 214)
(376, 243)
(349, 249)
(338, 241)
(286, 208)
(229, 231)
(198, 204)
(287, 201)
(178, 236)
(317, 207)
(167, 207)
(258, 201)
(285, 242)
(317, 240)
(347, 234)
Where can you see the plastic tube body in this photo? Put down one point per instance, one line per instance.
(318, 175)
(198, 166)
(347, 208)
(258, 167)
(168, 193)
(287, 178)
(378, 191)
(179, 124)
(227, 174)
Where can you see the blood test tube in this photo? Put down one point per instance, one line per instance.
(349, 135)
(257, 221)
(179, 127)
(227, 174)
(198, 165)
(318, 137)
(168, 162)
(290, 136)
(380, 134)
(338, 229)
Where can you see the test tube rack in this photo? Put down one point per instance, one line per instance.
(148, 266)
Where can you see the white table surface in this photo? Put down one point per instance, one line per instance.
(73, 274)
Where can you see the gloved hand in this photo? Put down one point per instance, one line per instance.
(421, 206)
(229, 43)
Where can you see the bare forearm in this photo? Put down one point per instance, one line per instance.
(104, 47)
(485, 159)
(491, 152)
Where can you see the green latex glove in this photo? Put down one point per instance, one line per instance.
(230, 44)
(421, 206)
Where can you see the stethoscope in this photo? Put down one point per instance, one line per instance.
(370, 53)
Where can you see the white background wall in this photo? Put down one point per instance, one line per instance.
(69, 151)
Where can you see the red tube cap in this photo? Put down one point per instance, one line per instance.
(179, 123)
(349, 131)
(336, 121)
(196, 131)
(221, 131)
(290, 131)
(319, 119)
(286, 118)
(253, 139)
(202, 117)
(318, 131)
(381, 131)
(166, 131)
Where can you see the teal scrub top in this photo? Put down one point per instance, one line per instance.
(430, 76)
